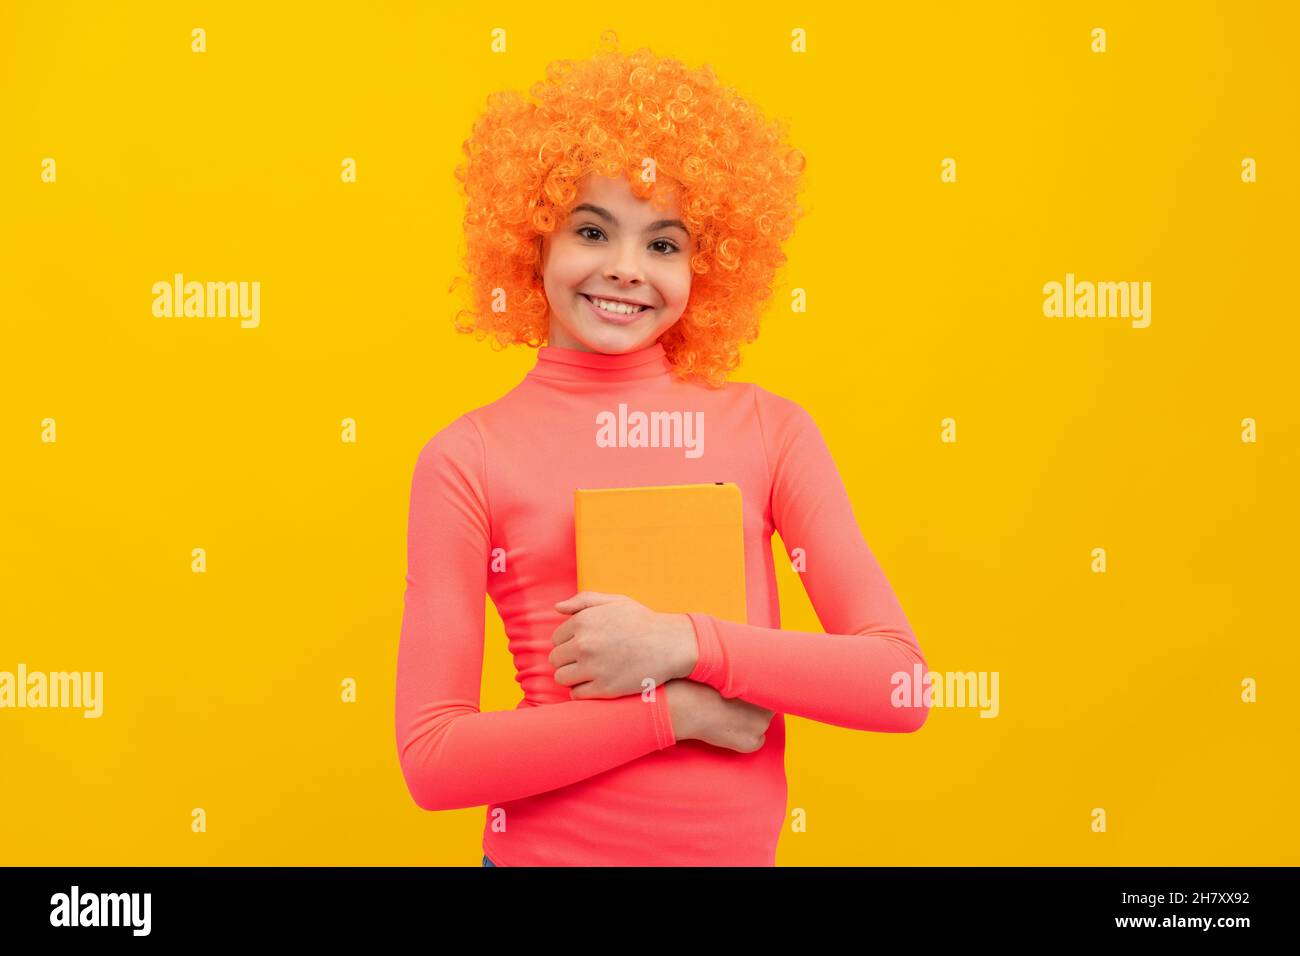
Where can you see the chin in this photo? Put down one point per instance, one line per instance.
(616, 342)
(611, 338)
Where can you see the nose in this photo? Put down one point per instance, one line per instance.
(624, 266)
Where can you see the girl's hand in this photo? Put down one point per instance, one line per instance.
(612, 644)
(699, 712)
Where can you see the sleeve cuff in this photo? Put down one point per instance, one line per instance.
(710, 668)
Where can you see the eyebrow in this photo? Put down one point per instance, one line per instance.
(609, 217)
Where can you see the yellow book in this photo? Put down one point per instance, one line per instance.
(674, 548)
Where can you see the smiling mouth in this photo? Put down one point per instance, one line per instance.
(644, 308)
(616, 318)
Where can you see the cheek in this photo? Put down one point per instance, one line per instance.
(679, 289)
(566, 278)
(566, 268)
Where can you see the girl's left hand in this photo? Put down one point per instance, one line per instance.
(612, 643)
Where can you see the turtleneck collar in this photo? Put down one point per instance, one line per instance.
(575, 365)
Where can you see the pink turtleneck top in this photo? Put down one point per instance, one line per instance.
(605, 782)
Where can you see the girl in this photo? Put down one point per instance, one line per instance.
(631, 218)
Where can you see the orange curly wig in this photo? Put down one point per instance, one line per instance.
(737, 175)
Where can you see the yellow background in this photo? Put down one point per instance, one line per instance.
(222, 690)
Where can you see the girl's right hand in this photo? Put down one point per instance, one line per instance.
(699, 712)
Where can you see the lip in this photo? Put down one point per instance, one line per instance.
(614, 317)
(613, 298)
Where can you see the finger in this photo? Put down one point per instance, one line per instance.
(562, 633)
(586, 690)
(565, 653)
(569, 604)
(571, 674)
(573, 602)
(587, 599)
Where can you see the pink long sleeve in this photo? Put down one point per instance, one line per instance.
(605, 781)
(451, 754)
(844, 676)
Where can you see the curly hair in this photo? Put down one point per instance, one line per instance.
(737, 181)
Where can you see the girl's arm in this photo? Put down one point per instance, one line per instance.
(842, 677)
(451, 754)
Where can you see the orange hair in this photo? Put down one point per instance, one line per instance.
(737, 180)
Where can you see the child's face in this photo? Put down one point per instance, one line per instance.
(621, 249)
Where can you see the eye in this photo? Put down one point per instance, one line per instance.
(672, 246)
(584, 229)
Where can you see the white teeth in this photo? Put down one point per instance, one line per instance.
(620, 307)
